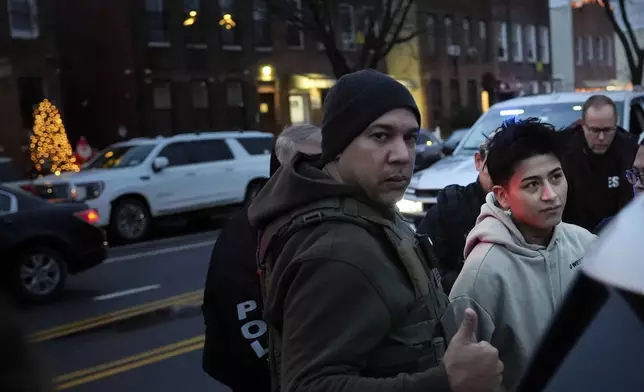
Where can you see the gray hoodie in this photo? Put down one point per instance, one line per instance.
(515, 287)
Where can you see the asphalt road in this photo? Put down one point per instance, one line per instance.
(131, 324)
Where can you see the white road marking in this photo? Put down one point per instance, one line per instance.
(159, 252)
(126, 292)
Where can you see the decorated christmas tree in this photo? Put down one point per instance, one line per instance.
(50, 148)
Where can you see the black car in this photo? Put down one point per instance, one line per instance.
(428, 150)
(41, 243)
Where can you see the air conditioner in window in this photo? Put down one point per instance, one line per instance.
(472, 51)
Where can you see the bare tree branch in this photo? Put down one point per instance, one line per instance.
(386, 24)
(633, 52)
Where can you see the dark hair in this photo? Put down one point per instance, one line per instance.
(516, 141)
(598, 101)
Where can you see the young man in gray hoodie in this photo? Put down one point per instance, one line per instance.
(520, 257)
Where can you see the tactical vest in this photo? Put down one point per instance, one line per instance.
(415, 344)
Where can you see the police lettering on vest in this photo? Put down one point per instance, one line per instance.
(252, 329)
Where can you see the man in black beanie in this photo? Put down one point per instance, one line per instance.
(348, 293)
(232, 301)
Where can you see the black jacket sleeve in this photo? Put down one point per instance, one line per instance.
(325, 354)
(447, 240)
(232, 304)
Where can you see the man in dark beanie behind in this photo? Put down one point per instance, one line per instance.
(348, 295)
(234, 352)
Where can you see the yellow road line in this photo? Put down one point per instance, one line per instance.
(129, 363)
(82, 325)
(123, 361)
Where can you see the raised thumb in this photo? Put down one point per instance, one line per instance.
(467, 331)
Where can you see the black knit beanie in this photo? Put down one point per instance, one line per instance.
(357, 100)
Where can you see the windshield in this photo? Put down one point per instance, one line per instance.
(560, 115)
(121, 156)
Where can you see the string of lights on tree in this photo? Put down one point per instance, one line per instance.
(50, 148)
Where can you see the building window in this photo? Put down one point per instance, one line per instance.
(23, 19)
(162, 96)
(579, 48)
(547, 87)
(230, 36)
(589, 48)
(200, 98)
(194, 29)
(449, 32)
(294, 33)
(234, 95)
(156, 22)
(599, 44)
(517, 43)
(484, 41)
(262, 26)
(432, 31)
(347, 22)
(472, 94)
(531, 43)
(454, 95)
(609, 51)
(467, 33)
(502, 47)
(436, 100)
(32, 92)
(534, 87)
(544, 44)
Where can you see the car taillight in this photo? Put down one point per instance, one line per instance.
(89, 216)
(29, 188)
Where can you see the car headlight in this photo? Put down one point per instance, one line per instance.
(409, 207)
(87, 191)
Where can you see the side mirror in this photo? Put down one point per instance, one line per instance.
(160, 163)
(448, 150)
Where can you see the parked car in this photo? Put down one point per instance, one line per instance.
(561, 110)
(134, 182)
(453, 140)
(41, 243)
(428, 150)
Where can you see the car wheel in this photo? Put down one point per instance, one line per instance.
(130, 220)
(253, 189)
(39, 274)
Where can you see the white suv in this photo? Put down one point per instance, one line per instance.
(132, 182)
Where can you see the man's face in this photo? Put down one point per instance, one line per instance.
(599, 126)
(536, 193)
(381, 160)
(638, 168)
(481, 167)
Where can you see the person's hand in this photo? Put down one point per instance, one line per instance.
(472, 366)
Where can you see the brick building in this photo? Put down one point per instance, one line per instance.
(523, 45)
(28, 71)
(594, 46)
(159, 67)
(457, 51)
(501, 47)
